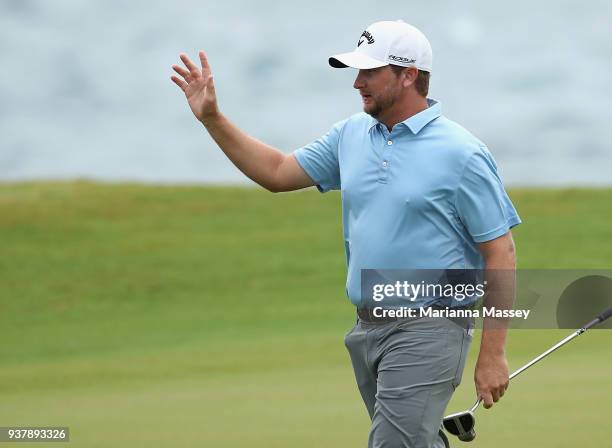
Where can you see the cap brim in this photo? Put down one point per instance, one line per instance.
(355, 60)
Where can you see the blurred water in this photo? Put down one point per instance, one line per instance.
(85, 89)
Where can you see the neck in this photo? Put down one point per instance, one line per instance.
(402, 110)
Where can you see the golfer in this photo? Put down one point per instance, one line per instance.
(418, 192)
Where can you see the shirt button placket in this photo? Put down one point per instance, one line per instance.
(385, 162)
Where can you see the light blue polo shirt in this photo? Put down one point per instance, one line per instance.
(419, 197)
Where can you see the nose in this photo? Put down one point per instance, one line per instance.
(359, 81)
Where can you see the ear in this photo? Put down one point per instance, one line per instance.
(410, 75)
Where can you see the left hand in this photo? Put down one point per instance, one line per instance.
(491, 378)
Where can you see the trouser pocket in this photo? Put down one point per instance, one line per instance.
(347, 336)
(466, 340)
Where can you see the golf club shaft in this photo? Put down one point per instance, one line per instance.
(603, 316)
(545, 354)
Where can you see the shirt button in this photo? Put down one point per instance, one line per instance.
(385, 163)
(389, 142)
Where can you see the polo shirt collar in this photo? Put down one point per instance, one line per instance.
(418, 121)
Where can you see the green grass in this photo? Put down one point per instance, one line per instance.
(191, 316)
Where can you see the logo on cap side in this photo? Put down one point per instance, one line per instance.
(401, 59)
(368, 37)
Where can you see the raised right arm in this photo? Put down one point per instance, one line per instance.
(262, 163)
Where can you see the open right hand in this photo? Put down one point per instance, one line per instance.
(198, 86)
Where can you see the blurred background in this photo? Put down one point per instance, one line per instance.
(85, 89)
(142, 306)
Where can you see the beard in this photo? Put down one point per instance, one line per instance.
(379, 103)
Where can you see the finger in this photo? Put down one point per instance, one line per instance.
(204, 61)
(487, 399)
(495, 395)
(181, 71)
(179, 82)
(210, 84)
(190, 65)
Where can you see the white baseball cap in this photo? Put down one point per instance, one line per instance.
(388, 42)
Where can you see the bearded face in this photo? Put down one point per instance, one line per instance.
(379, 89)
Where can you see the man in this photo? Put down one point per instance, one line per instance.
(418, 191)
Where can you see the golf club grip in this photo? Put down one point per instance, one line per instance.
(599, 319)
(607, 313)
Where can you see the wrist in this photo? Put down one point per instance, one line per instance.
(493, 343)
(211, 119)
(493, 352)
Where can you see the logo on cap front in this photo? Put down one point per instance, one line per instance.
(367, 36)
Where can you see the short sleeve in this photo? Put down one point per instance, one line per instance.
(482, 204)
(320, 159)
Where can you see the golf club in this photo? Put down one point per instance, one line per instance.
(462, 424)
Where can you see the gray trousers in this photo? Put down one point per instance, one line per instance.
(406, 372)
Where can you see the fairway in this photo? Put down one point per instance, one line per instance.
(187, 316)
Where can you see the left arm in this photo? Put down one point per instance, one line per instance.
(491, 373)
